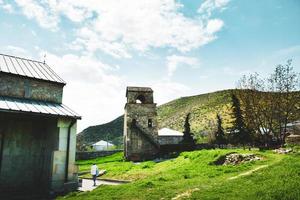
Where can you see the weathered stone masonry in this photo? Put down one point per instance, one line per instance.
(140, 125)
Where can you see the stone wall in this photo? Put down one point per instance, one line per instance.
(164, 140)
(293, 140)
(59, 157)
(28, 88)
(138, 147)
(85, 155)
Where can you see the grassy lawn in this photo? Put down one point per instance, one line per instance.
(192, 176)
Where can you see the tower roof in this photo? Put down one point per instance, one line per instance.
(28, 68)
(138, 89)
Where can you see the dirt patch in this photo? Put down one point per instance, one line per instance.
(186, 194)
(248, 172)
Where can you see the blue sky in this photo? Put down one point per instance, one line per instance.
(178, 48)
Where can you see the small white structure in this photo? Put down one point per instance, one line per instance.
(169, 136)
(102, 145)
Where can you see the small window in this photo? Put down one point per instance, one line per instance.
(150, 123)
(140, 99)
(133, 124)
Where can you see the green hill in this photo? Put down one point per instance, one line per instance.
(203, 109)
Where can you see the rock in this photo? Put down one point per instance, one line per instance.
(235, 158)
(282, 151)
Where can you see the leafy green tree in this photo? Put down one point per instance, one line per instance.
(285, 82)
(220, 138)
(271, 103)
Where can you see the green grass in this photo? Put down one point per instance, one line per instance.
(193, 175)
(117, 168)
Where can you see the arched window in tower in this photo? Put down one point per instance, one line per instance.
(150, 123)
(140, 99)
(133, 123)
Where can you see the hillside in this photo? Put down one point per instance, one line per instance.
(203, 108)
(112, 131)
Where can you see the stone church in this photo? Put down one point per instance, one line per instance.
(37, 131)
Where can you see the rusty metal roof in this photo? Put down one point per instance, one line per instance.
(28, 68)
(9, 104)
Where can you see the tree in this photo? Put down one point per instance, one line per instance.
(239, 132)
(271, 103)
(285, 82)
(220, 135)
(187, 135)
(211, 131)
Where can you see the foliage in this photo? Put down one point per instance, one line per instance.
(187, 137)
(220, 135)
(269, 104)
(240, 134)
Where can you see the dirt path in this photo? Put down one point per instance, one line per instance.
(186, 194)
(88, 185)
(248, 172)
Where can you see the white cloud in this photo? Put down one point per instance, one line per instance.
(165, 91)
(288, 51)
(6, 6)
(208, 6)
(174, 61)
(47, 13)
(120, 28)
(141, 25)
(16, 51)
(214, 26)
(33, 10)
(75, 11)
(92, 90)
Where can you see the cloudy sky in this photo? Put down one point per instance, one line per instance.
(178, 48)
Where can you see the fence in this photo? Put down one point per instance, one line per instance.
(86, 155)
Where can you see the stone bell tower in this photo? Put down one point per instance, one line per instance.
(140, 125)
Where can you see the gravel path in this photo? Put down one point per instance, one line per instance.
(88, 184)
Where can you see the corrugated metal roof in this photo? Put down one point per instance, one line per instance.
(37, 107)
(28, 68)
